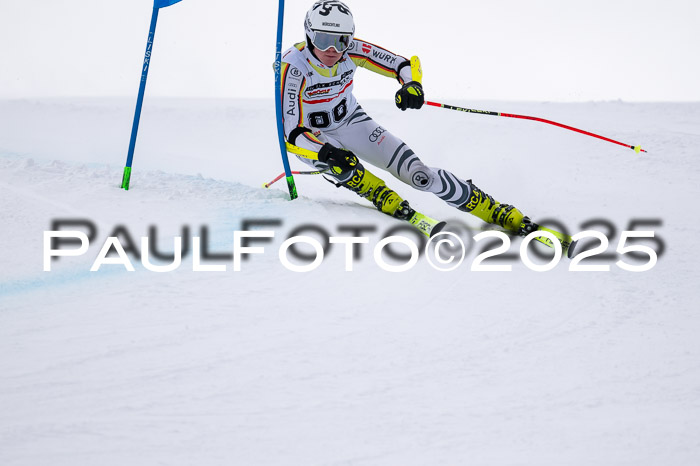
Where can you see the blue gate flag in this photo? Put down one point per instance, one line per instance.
(164, 3)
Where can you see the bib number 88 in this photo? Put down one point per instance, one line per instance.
(323, 119)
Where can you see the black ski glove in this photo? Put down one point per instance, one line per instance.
(339, 160)
(410, 96)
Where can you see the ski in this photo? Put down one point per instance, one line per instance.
(567, 245)
(426, 225)
(566, 242)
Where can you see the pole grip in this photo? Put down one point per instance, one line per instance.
(300, 151)
(416, 70)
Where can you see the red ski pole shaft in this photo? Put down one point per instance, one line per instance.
(279, 177)
(542, 120)
(267, 185)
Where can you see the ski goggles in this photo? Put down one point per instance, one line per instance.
(325, 40)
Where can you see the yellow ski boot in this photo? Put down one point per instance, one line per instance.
(386, 200)
(373, 188)
(489, 210)
(361, 181)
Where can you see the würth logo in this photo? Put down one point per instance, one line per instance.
(366, 48)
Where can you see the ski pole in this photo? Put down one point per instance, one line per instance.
(279, 177)
(300, 151)
(157, 5)
(417, 75)
(637, 149)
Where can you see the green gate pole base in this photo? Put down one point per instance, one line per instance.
(126, 179)
(292, 187)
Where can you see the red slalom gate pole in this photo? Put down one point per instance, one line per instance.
(637, 149)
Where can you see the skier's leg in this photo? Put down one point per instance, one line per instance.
(361, 181)
(374, 144)
(367, 185)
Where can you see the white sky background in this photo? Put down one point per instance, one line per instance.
(542, 50)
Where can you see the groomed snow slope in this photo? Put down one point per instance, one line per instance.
(269, 366)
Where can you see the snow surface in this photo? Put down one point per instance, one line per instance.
(269, 366)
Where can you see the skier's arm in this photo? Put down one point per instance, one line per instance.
(295, 132)
(380, 60)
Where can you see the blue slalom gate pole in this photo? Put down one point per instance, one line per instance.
(278, 103)
(157, 5)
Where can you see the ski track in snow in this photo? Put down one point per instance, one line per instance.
(267, 366)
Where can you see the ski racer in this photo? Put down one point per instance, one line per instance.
(321, 114)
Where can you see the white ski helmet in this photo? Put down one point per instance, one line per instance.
(329, 23)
